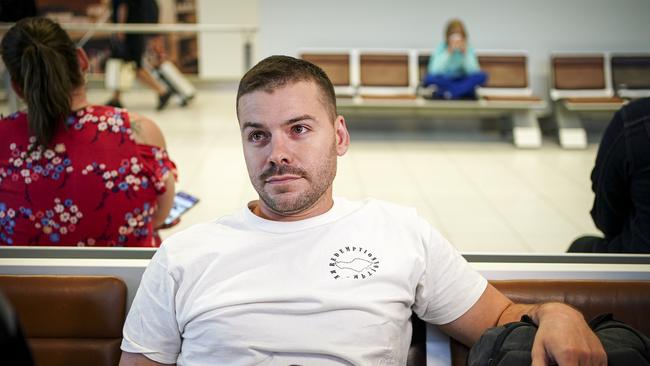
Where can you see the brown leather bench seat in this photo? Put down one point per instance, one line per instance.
(629, 301)
(69, 320)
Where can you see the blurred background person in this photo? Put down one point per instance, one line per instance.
(131, 47)
(453, 67)
(73, 173)
(621, 184)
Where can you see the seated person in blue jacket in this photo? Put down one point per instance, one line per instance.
(453, 68)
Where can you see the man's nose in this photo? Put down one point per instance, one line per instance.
(280, 151)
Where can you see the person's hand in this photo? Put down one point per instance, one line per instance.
(564, 338)
(456, 44)
(170, 225)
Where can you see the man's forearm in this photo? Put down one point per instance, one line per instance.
(514, 312)
(137, 359)
(537, 312)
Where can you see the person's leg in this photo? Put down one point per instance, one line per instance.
(465, 87)
(115, 100)
(135, 44)
(588, 244)
(145, 76)
(441, 82)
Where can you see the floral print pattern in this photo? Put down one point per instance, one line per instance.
(57, 221)
(29, 164)
(7, 224)
(93, 186)
(110, 121)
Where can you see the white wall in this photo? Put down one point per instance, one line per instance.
(537, 26)
(222, 54)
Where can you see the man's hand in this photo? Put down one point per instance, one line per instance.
(564, 338)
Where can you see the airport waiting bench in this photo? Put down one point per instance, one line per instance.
(77, 320)
(382, 81)
(69, 320)
(627, 300)
(79, 293)
(594, 84)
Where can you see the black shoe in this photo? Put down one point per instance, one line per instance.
(163, 100)
(186, 100)
(114, 103)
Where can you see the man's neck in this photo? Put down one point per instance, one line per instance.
(324, 204)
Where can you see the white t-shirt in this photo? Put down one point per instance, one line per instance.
(335, 289)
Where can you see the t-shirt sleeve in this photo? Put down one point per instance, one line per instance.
(158, 164)
(448, 287)
(151, 328)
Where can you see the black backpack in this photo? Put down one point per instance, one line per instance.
(511, 344)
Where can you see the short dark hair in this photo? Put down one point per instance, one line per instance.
(277, 71)
(42, 61)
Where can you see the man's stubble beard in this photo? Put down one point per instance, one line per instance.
(318, 186)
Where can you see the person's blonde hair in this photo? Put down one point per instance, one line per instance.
(455, 26)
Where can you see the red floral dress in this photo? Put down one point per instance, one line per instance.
(93, 186)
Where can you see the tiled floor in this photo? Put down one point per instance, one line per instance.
(482, 193)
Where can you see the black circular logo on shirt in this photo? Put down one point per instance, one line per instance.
(353, 262)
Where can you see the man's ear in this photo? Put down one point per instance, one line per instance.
(342, 136)
(82, 58)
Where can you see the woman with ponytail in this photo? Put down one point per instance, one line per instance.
(73, 173)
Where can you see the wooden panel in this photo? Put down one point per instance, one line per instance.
(336, 66)
(595, 100)
(505, 71)
(579, 72)
(512, 98)
(390, 97)
(631, 72)
(384, 70)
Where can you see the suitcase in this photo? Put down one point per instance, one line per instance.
(169, 75)
(119, 75)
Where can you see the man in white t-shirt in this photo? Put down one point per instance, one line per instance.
(301, 278)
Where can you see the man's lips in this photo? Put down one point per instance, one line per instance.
(279, 179)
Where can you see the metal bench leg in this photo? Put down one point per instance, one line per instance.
(572, 134)
(525, 130)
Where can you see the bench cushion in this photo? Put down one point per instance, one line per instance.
(385, 70)
(336, 66)
(631, 72)
(504, 71)
(579, 72)
(69, 320)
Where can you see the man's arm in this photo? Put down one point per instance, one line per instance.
(136, 359)
(563, 336)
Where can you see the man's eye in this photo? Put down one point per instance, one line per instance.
(299, 129)
(256, 136)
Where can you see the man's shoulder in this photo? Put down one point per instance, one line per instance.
(207, 233)
(389, 211)
(388, 206)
